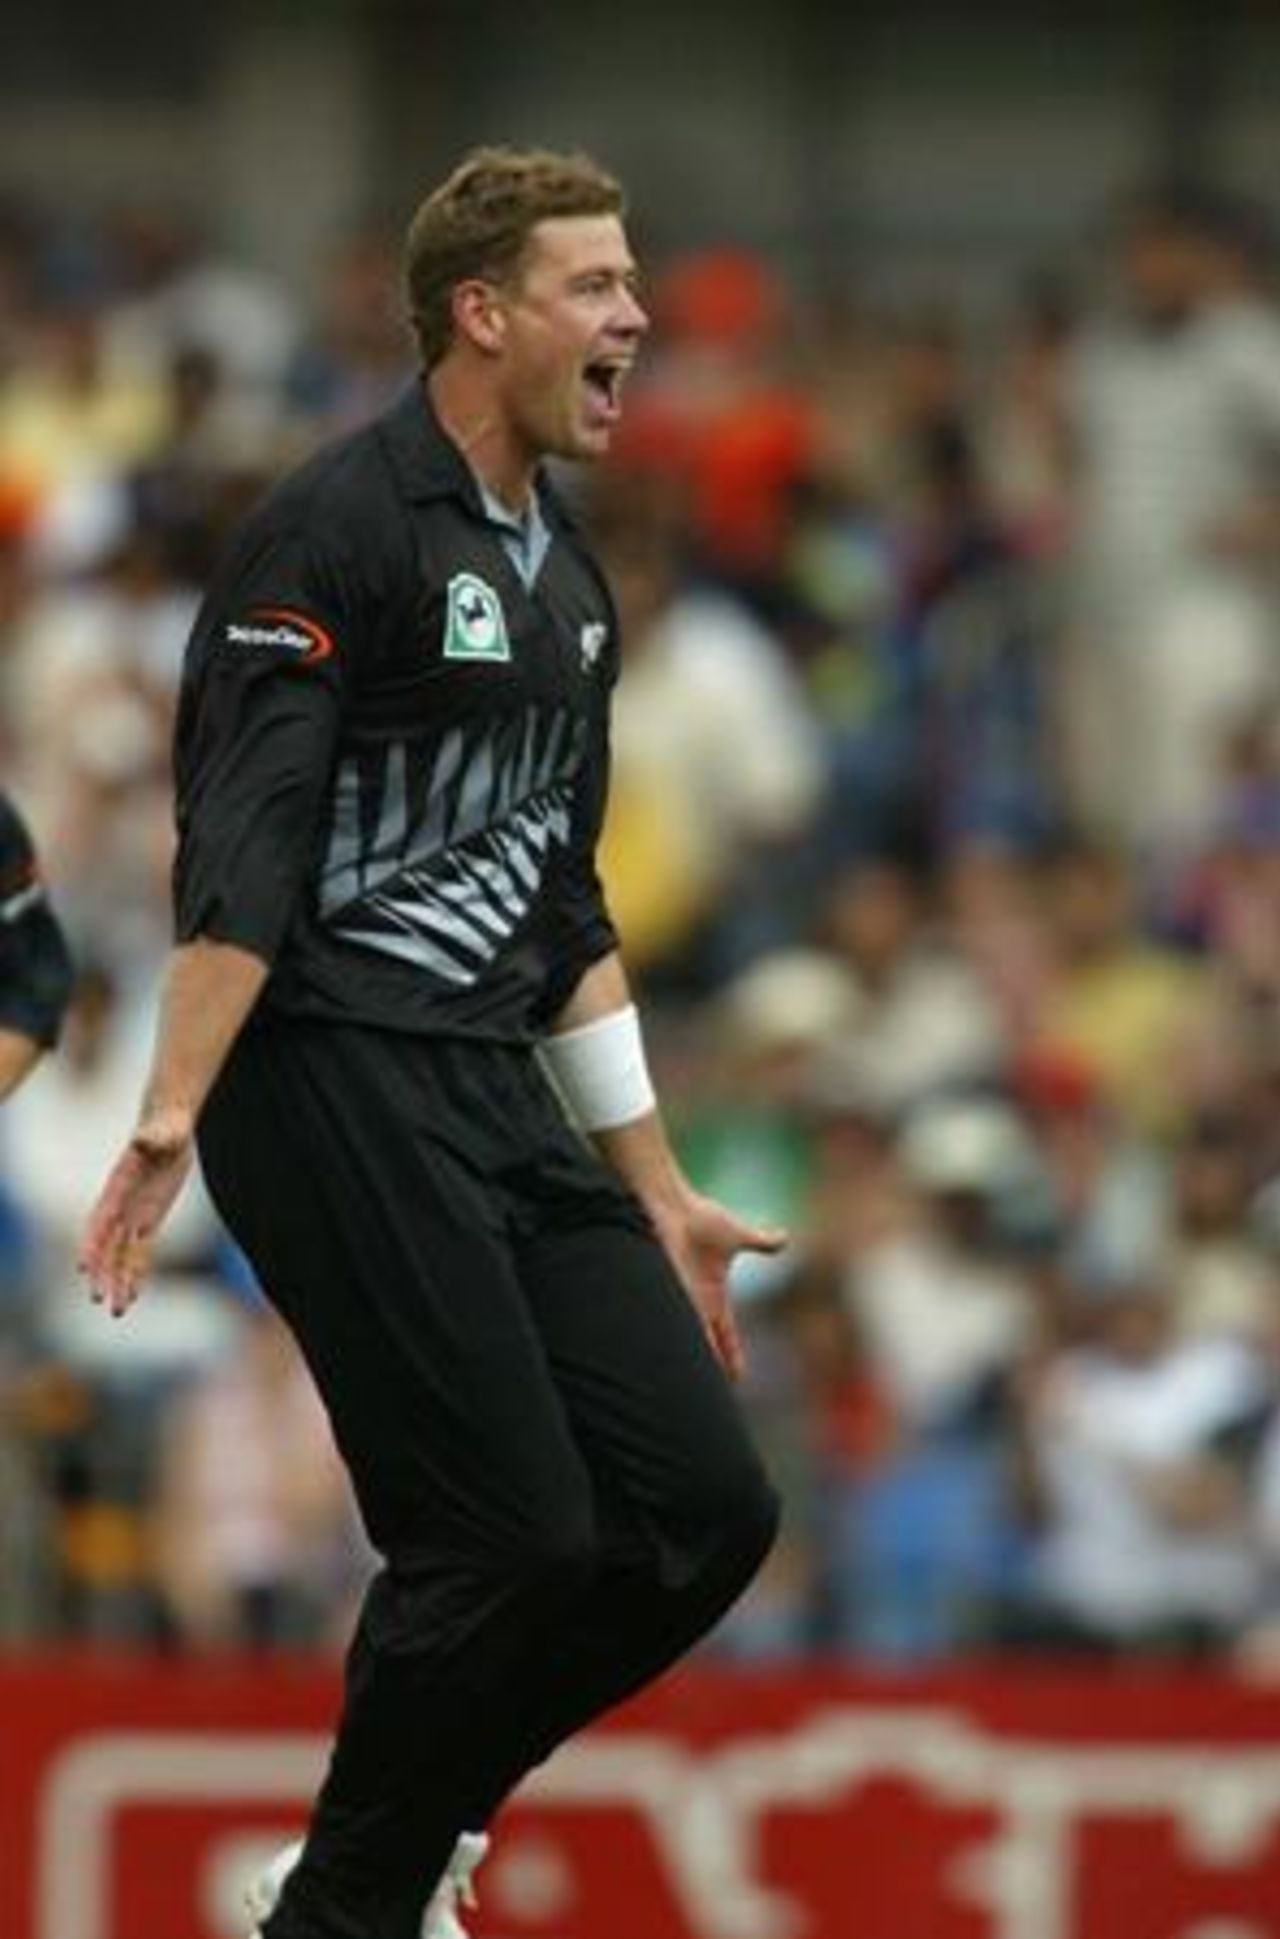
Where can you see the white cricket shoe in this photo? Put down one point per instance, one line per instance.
(260, 1896)
(440, 1920)
(455, 1892)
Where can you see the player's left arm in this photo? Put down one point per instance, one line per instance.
(595, 1055)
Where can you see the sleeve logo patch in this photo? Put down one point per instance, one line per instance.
(289, 632)
(474, 627)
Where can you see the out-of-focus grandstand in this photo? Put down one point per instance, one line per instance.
(947, 817)
(945, 528)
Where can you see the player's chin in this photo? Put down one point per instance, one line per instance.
(587, 442)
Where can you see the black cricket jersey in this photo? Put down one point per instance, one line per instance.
(35, 963)
(391, 752)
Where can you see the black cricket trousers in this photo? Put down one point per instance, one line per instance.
(545, 1452)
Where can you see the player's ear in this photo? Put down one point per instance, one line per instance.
(478, 315)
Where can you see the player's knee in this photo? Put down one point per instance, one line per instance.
(739, 1512)
(554, 1560)
(754, 1517)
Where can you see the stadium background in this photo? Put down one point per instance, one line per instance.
(947, 846)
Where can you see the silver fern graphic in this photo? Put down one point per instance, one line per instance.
(439, 866)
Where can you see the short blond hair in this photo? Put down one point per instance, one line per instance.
(477, 223)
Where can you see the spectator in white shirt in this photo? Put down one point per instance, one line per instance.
(1135, 1444)
(1173, 409)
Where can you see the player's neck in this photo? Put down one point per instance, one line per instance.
(476, 424)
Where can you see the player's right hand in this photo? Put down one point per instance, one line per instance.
(115, 1253)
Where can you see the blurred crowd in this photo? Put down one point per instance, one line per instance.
(945, 845)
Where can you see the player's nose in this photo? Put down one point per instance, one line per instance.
(632, 319)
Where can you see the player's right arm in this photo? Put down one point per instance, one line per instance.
(257, 731)
(209, 991)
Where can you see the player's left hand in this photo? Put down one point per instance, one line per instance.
(702, 1239)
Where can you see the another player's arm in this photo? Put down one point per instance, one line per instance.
(36, 972)
(19, 1054)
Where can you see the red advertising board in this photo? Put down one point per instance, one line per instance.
(134, 1800)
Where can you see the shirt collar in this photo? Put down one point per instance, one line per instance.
(428, 464)
(526, 540)
(426, 461)
(499, 514)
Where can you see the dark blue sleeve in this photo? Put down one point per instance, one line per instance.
(36, 972)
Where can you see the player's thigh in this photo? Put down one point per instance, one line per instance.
(384, 1254)
(649, 1404)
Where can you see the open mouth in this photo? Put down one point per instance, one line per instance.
(604, 381)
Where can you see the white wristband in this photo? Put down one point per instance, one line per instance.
(599, 1070)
